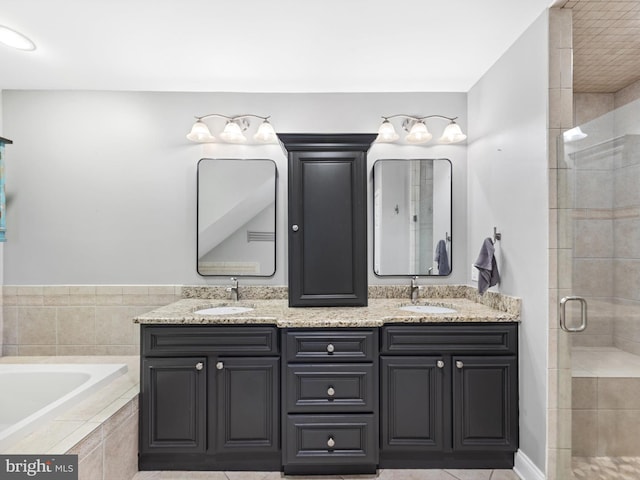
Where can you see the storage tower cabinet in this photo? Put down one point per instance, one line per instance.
(209, 398)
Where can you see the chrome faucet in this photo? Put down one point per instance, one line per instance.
(415, 289)
(233, 289)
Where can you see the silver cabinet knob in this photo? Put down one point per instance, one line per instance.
(459, 364)
(199, 366)
(331, 442)
(331, 392)
(330, 348)
(440, 364)
(219, 365)
(295, 228)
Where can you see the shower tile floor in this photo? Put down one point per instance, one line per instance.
(606, 468)
(381, 475)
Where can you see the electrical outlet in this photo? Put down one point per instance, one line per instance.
(474, 273)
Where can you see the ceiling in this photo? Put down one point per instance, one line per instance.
(259, 45)
(606, 44)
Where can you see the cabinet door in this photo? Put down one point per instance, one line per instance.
(173, 405)
(327, 219)
(485, 403)
(247, 418)
(413, 418)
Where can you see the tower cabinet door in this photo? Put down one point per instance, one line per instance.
(173, 405)
(248, 400)
(413, 416)
(485, 403)
(327, 219)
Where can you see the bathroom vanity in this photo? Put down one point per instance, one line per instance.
(328, 390)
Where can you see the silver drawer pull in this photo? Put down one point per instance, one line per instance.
(330, 348)
(459, 364)
(331, 442)
(440, 364)
(199, 366)
(219, 365)
(331, 392)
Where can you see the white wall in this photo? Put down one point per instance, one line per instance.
(104, 183)
(508, 188)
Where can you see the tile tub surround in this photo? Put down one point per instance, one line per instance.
(277, 312)
(102, 430)
(78, 319)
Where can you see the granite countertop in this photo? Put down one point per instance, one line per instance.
(380, 311)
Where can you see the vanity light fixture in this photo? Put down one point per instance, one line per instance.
(13, 39)
(233, 130)
(417, 130)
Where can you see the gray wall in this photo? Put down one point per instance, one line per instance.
(508, 188)
(103, 184)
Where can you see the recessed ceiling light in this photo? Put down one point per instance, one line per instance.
(11, 38)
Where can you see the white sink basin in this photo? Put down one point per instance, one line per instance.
(427, 309)
(224, 310)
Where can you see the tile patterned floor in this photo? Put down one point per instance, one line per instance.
(381, 475)
(606, 468)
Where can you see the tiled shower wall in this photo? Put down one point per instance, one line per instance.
(78, 320)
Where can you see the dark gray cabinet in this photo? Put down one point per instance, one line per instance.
(209, 398)
(330, 402)
(327, 218)
(449, 396)
(351, 400)
(176, 403)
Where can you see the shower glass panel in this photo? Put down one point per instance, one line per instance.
(599, 261)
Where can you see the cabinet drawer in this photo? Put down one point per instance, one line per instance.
(331, 439)
(331, 346)
(329, 387)
(181, 340)
(460, 339)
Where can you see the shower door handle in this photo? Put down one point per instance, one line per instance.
(583, 314)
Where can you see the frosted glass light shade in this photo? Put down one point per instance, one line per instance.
(386, 133)
(265, 133)
(13, 39)
(200, 133)
(233, 133)
(452, 134)
(419, 133)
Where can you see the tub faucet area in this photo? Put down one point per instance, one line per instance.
(415, 289)
(233, 289)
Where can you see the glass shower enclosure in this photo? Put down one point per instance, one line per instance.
(599, 296)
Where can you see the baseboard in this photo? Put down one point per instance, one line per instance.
(525, 468)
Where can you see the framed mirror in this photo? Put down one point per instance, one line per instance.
(236, 217)
(412, 217)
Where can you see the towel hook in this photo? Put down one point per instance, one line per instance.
(497, 236)
(447, 237)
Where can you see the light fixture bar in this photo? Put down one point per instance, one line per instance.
(232, 133)
(417, 130)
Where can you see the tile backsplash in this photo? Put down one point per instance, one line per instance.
(98, 319)
(78, 319)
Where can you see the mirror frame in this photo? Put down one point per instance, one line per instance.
(373, 213)
(275, 218)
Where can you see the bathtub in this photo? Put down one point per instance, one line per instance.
(32, 394)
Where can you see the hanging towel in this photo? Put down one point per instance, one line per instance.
(487, 267)
(442, 259)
